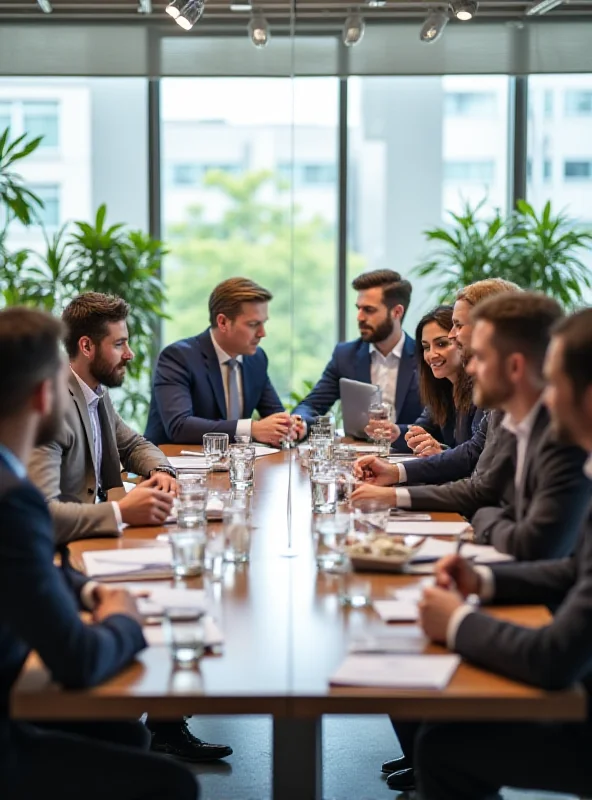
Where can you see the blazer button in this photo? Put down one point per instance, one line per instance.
(90, 491)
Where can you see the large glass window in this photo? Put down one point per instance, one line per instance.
(42, 119)
(49, 194)
(250, 189)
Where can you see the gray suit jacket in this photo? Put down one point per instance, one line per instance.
(65, 470)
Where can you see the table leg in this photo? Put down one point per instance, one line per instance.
(297, 759)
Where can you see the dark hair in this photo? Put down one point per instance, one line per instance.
(395, 290)
(575, 333)
(89, 315)
(29, 354)
(440, 395)
(474, 293)
(228, 297)
(522, 323)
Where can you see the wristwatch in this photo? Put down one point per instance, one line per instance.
(169, 470)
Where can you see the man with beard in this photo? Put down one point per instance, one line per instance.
(383, 355)
(75, 470)
(472, 761)
(40, 604)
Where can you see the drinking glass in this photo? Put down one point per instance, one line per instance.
(214, 552)
(370, 516)
(304, 454)
(192, 499)
(215, 447)
(324, 490)
(188, 552)
(321, 447)
(237, 534)
(354, 590)
(381, 413)
(344, 457)
(325, 424)
(329, 534)
(185, 634)
(242, 466)
(243, 439)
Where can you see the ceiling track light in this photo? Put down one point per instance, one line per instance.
(258, 30)
(353, 30)
(542, 7)
(464, 10)
(434, 25)
(45, 6)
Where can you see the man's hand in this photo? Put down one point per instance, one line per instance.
(297, 428)
(435, 609)
(146, 505)
(453, 572)
(382, 429)
(422, 443)
(162, 481)
(377, 471)
(271, 430)
(368, 491)
(114, 601)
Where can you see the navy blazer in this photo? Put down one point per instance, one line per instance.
(188, 393)
(39, 604)
(457, 428)
(352, 360)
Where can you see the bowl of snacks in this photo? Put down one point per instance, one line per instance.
(381, 553)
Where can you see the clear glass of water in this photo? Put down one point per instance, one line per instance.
(214, 554)
(242, 466)
(185, 634)
(188, 549)
(324, 491)
(215, 447)
(243, 439)
(370, 516)
(329, 534)
(237, 534)
(381, 413)
(192, 499)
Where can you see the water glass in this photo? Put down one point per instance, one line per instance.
(381, 413)
(192, 499)
(215, 553)
(354, 590)
(237, 534)
(325, 424)
(185, 634)
(242, 466)
(243, 438)
(188, 553)
(303, 454)
(215, 447)
(370, 516)
(344, 458)
(324, 491)
(321, 447)
(329, 535)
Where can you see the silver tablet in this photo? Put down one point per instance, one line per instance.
(355, 399)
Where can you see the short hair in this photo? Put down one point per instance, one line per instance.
(575, 332)
(395, 290)
(228, 297)
(89, 315)
(476, 292)
(29, 354)
(522, 321)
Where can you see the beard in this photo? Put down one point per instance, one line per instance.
(105, 374)
(382, 331)
(494, 396)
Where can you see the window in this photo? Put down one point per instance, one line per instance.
(483, 171)
(548, 103)
(470, 104)
(193, 174)
(49, 194)
(578, 103)
(577, 170)
(5, 116)
(309, 174)
(547, 169)
(42, 119)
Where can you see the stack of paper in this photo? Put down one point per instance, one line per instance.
(400, 639)
(188, 462)
(400, 610)
(397, 671)
(141, 563)
(427, 528)
(434, 549)
(160, 599)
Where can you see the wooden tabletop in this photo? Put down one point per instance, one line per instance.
(285, 634)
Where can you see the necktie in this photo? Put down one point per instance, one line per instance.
(234, 404)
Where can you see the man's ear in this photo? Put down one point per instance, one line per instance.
(397, 312)
(86, 346)
(42, 398)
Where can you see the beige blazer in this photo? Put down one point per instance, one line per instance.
(65, 470)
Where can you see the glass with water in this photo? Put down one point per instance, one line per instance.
(324, 490)
(237, 534)
(242, 466)
(185, 634)
(188, 549)
(192, 499)
(215, 447)
(329, 534)
(381, 413)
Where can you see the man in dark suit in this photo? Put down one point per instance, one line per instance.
(39, 606)
(473, 761)
(214, 382)
(383, 355)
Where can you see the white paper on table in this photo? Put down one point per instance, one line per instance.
(213, 636)
(188, 462)
(409, 516)
(141, 563)
(396, 671)
(366, 448)
(260, 450)
(483, 554)
(413, 593)
(396, 610)
(401, 639)
(160, 599)
(431, 528)
(433, 549)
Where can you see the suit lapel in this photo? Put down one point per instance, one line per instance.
(362, 363)
(213, 371)
(80, 403)
(406, 369)
(524, 490)
(247, 374)
(111, 465)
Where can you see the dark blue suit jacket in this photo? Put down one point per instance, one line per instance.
(457, 429)
(39, 604)
(188, 393)
(352, 360)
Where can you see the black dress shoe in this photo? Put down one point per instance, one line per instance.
(175, 739)
(394, 765)
(402, 781)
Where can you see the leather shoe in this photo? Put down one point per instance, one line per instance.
(402, 781)
(175, 739)
(394, 765)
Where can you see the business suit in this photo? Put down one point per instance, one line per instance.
(66, 473)
(39, 606)
(188, 393)
(352, 360)
(470, 762)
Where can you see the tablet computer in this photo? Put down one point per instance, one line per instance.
(356, 396)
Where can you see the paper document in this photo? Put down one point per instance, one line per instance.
(260, 450)
(483, 554)
(398, 515)
(433, 549)
(187, 462)
(413, 592)
(213, 636)
(427, 528)
(396, 610)
(397, 671)
(401, 639)
(141, 563)
(160, 599)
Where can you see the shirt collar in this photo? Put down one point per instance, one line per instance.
(14, 463)
(588, 467)
(223, 356)
(90, 395)
(397, 350)
(524, 428)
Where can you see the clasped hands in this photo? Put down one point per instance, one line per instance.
(456, 579)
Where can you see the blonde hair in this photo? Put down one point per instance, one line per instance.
(475, 292)
(228, 297)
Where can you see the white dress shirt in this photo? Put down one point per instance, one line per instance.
(384, 370)
(243, 426)
(522, 431)
(588, 467)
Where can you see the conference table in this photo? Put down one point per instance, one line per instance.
(285, 633)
